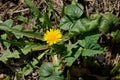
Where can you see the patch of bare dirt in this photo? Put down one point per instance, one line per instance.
(11, 9)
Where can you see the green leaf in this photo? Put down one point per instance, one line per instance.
(70, 59)
(3, 39)
(90, 45)
(80, 78)
(18, 35)
(47, 72)
(74, 1)
(49, 7)
(74, 27)
(46, 22)
(116, 36)
(115, 68)
(104, 25)
(85, 24)
(32, 65)
(74, 10)
(7, 43)
(21, 33)
(116, 77)
(113, 19)
(80, 26)
(65, 23)
(93, 22)
(108, 22)
(23, 19)
(7, 78)
(70, 46)
(68, 75)
(46, 69)
(33, 47)
(77, 28)
(91, 52)
(29, 67)
(91, 42)
(8, 23)
(33, 8)
(8, 54)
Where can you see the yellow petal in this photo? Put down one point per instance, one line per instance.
(53, 36)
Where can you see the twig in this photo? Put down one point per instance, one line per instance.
(18, 11)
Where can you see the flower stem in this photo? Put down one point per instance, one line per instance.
(56, 62)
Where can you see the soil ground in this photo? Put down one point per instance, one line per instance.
(10, 9)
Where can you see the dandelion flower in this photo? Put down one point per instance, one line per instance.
(53, 36)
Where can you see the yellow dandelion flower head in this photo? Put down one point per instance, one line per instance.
(53, 36)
